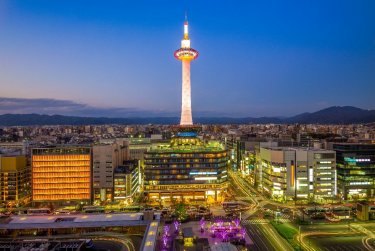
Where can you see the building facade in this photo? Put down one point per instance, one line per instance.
(298, 173)
(355, 170)
(61, 174)
(186, 169)
(15, 180)
(127, 181)
(106, 157)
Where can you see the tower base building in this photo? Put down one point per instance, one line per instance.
(187, 169)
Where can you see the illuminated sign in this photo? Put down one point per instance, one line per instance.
(202, 173)
(205, 178)
(354, 160)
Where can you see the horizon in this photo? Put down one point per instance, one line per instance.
(256, 59)
(59, 107)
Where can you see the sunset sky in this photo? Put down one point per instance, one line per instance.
(257, 58)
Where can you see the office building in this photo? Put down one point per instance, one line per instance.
(355, 170)
(15, 180)
(127, 181)
(298, 173)
(61, 174)
(106, 157)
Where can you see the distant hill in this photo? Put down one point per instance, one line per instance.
(335, 115)
(331, 115)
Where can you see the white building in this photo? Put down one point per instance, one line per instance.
(298, 173)
(106, 157)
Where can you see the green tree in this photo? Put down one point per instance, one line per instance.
(180, 212)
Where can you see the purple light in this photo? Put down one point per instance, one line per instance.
(223, 235)
(243, 233)
(237, 222)
(220, 223)
(165, 240)
(202, 222)
(176, 224)
(166, 230)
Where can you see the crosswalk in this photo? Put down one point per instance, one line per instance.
(255, 221)
(262, 221)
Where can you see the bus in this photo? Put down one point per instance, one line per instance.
(314, 210)
(93, 209)
(89, 244)
(230, 205)
(131, 209)
(38, 211)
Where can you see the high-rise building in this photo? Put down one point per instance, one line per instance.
(61, 174)
(355, 170)
(15, 180)
(187, 168)
(298, 173)
(106, 157)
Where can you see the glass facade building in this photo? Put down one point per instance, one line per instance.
(126, 181)
(355, 170)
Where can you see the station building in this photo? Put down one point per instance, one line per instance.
(187, 168)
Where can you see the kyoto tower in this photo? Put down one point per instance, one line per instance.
(186, 54)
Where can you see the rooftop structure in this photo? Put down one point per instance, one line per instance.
(51, 225)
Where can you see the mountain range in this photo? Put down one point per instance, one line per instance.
(331, 115)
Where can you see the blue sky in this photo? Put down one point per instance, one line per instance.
(257, 58)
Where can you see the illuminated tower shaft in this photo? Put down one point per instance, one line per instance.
(186, 54)
(186, 117)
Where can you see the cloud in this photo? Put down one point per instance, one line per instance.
(71, 108)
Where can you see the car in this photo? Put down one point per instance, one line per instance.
(286, 210)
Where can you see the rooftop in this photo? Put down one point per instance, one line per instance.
(210, 146)
(72, 221)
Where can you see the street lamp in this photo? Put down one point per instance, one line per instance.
(300, 240)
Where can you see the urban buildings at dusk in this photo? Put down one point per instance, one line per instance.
(267, 183)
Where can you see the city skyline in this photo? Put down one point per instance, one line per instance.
(257, 60)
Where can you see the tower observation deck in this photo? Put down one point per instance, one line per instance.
(186, 54)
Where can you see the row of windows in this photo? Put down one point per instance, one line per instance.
(59, 157)
(187, 155)
(157, 160)
(61, 163)
(61, 180)
(61, 174)
(60, 169)
(158, 177)
(187, 166)
(60, 185)
(183, 170)
(47, 197)
(61, 191)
